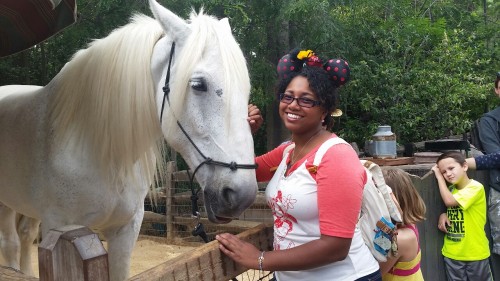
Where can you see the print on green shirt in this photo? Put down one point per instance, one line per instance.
(456, 230)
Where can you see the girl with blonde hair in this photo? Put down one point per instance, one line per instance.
(406, 265)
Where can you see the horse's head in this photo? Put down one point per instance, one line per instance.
(204, 113)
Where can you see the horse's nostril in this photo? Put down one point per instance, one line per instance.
(228, 196)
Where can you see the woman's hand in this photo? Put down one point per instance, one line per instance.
(238, 250)
(254, 118)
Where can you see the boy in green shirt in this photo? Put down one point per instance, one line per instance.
(466, 247)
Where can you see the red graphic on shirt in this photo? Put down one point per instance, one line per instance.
(283, 222)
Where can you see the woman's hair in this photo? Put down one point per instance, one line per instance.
(497, 80)
(409, 199)
(321, 84)
(458, 156)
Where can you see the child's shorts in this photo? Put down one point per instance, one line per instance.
(467, 270)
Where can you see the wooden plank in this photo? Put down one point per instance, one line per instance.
(184, 198)
(235, 226)
(9, 274)
(169, 186)
(181, 176)
(154, 217)
(390, 161)
(207, 263)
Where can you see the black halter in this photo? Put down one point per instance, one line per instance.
(233, 166)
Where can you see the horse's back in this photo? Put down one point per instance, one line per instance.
(17, 90)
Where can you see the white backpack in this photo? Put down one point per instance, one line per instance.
(378, 208)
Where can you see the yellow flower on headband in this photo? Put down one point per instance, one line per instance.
(305, 54)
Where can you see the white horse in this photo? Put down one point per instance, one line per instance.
(84, 148)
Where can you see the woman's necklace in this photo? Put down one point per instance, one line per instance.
(293, 160)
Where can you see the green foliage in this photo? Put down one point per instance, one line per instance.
(422, 75)
(424, 67)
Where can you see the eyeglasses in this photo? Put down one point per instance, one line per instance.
(303, 102)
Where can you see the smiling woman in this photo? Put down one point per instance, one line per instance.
(315, 207)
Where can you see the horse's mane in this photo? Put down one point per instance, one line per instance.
(207, 32)
(104, 101)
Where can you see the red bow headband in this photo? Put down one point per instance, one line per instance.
(337, 69)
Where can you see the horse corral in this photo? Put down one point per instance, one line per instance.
(156, 255)
(169, 213)
(84, 149)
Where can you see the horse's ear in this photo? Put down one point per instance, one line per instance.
(171, 23)
(225, 24)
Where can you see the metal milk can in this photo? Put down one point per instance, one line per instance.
(384, 143)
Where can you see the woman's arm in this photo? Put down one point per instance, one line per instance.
(484, 162)
(319, 252)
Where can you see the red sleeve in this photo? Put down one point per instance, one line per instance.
(341, 179)
(267, 163)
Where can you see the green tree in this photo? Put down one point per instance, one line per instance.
(423, 67)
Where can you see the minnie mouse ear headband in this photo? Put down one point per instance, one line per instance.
(337, 69)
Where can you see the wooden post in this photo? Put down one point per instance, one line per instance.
(169, 192)
(72, 252)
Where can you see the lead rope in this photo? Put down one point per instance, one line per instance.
(198, 230)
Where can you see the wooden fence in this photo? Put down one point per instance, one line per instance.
(431, 238)
(75, 253)
(209, 259)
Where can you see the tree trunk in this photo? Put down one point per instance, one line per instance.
(277, 133)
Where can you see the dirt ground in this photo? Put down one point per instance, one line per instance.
(148, 254)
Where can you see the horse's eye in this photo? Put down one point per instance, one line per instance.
(198, 84)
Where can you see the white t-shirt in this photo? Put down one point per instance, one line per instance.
(293, 200)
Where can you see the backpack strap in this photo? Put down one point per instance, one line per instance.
(378, 179)
(287, 149)
(324, 147)
(285, 153)
(374, 171)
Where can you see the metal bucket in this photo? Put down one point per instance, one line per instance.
(384, 143)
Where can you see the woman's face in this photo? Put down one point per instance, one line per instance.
(300, 119)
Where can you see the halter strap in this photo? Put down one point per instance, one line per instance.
(166, 88)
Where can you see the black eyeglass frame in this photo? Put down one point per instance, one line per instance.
(302, 102)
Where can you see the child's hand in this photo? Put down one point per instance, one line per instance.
(436, 171)
(443, 223)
